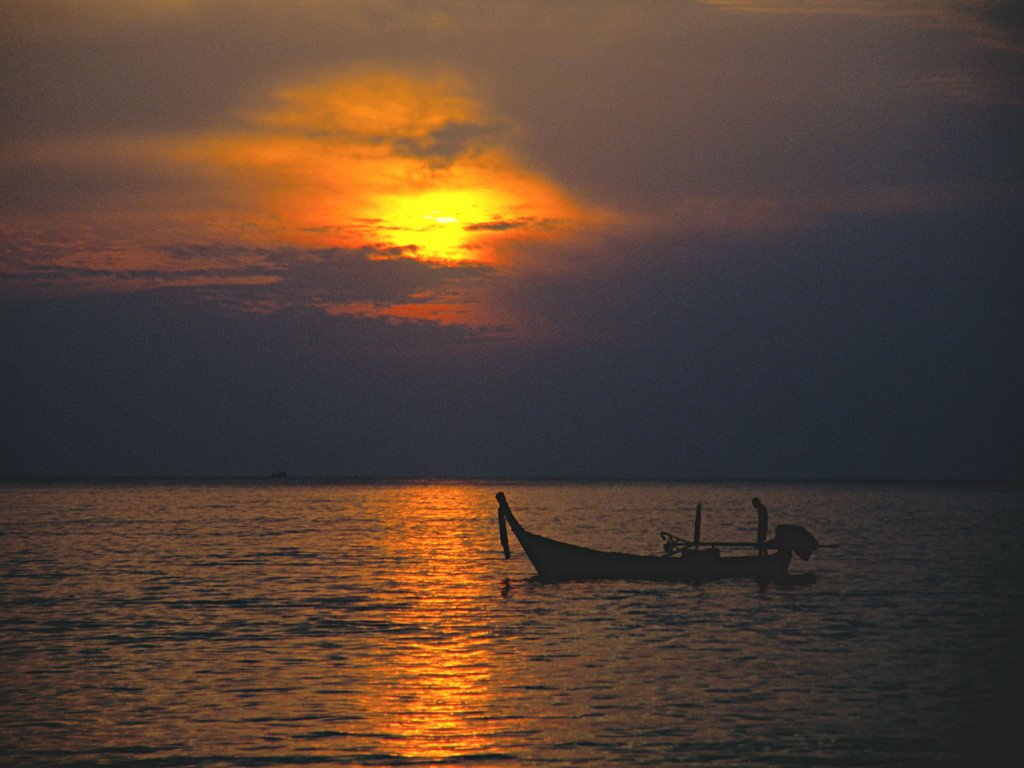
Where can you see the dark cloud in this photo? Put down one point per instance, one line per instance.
(57, 274)
(891, 344)
(270, 278)
(150, 384)
(329, 276)
(504, 225)
(889, 347)
(445, 144)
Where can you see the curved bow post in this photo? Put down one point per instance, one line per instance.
(502, 530)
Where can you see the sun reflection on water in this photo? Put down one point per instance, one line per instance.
(439, 669)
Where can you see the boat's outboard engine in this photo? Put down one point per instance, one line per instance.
(796, 538)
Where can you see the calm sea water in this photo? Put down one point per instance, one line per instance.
(251, 624)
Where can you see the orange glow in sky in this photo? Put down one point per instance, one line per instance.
(391, 161)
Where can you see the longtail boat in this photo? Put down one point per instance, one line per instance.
(682, 559)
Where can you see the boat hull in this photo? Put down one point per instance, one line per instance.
(558, 561)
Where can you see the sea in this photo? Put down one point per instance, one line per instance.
(314, 622)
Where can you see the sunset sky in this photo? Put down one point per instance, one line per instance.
(718, 239)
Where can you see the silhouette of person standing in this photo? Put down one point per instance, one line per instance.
(762, 526)
(696, 528)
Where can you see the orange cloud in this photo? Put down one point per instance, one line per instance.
(392, 166)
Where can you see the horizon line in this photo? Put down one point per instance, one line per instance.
(355, 479)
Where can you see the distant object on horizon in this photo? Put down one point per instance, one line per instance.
(279, 475)
(558, 561)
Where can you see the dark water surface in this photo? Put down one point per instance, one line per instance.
(250, 624)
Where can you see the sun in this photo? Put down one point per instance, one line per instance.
(438, 224)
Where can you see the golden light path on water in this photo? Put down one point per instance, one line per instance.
(438, 694)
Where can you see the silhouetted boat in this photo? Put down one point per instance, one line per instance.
(558, 561)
